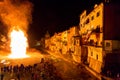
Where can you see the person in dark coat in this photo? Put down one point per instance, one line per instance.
(2, 76)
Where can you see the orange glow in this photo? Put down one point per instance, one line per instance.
(18, 44)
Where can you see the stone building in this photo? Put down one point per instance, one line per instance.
(100, 38)
(74, 43)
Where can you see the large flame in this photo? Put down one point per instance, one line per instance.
(18, 44)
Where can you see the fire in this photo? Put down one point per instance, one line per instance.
(18, 44)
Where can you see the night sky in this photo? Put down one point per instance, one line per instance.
(56, 15)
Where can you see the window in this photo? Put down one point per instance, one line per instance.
(77, 41)
(87, 21)
(107, 44)
(64, 37)
(81, 25)
(98, 13)
(91, 42)
(98, 29)
(74, 42)
(97, 57)
(91, 53)
(65, 43)
(92, 17)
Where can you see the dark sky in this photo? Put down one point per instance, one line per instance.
(56, 15)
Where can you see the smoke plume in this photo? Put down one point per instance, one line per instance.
(16, 14)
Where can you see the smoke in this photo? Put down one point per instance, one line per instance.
(16, 14)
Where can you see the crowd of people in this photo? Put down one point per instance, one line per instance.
(45, 70)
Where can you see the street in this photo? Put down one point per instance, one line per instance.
(70, 70)
(54, 67)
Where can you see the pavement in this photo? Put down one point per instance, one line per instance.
(70, 69)
(83, 68)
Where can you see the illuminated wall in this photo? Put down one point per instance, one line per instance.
(71, 33)
(91, 31)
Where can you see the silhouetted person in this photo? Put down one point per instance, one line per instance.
(42, 60)
(18, 76)
(2, 76)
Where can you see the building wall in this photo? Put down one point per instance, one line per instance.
(59, 43)
(64, 41)
(111, 22)
(99, 32)
(91, 30)
(91, 21)
(77, 52)
(71, 33)
(111, 38)
(97, 29)
(95, 58)
(74, 48)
